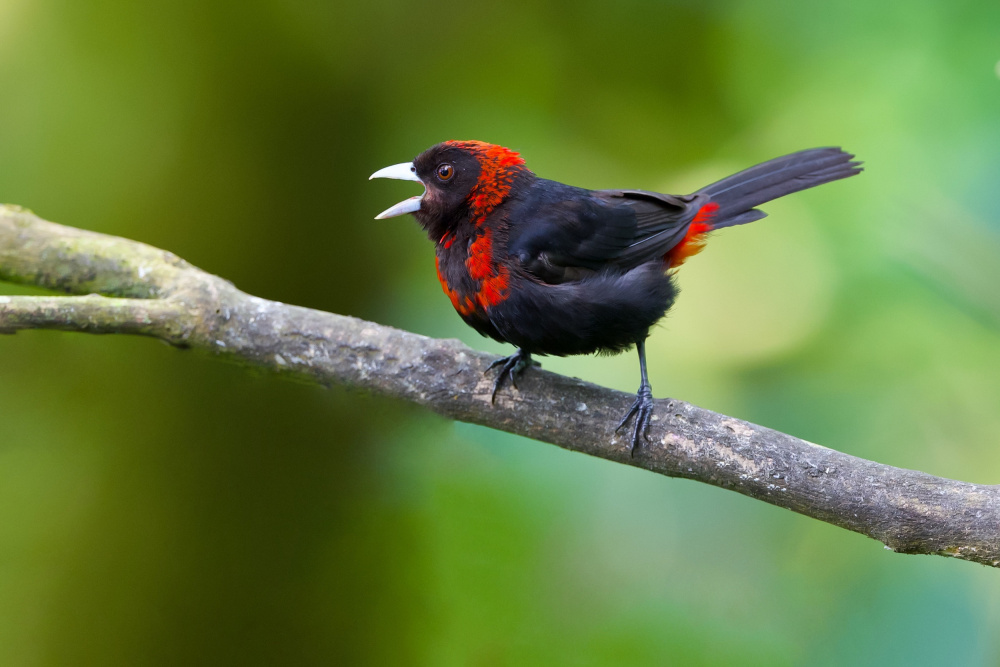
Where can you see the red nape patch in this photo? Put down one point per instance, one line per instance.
(498, 167)
(695, 238)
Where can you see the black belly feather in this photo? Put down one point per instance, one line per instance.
(607, 312)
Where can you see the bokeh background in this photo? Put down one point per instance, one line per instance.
(159, 507)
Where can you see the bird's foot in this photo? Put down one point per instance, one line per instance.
(642, 410)
(510, 368)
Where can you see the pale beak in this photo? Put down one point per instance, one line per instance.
(401, 172)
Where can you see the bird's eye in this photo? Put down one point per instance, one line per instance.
(445, 172)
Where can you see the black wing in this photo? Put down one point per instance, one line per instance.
(560, 233)
(661, 222)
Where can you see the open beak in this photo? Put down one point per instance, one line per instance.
(401, 172)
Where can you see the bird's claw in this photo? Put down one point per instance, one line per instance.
(642, 410)
(510, 368)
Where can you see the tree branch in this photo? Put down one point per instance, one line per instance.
(151, 292)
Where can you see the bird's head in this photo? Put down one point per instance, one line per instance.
(463, 181)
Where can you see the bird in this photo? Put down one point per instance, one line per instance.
(560, 270)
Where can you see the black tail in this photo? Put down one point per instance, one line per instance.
(738, 195)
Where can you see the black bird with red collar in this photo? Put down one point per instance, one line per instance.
(559, 270)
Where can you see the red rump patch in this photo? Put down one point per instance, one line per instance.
(498, 167)
(694, 240)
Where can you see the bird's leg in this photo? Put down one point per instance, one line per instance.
(642, 409)
(510, 368)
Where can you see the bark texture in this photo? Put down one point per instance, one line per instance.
(128, 287)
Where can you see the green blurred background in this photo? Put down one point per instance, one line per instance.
(158, 507)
